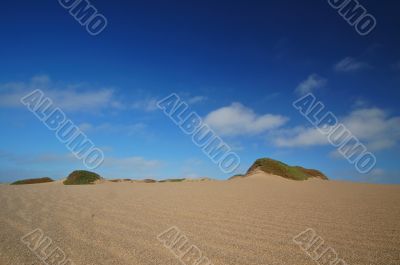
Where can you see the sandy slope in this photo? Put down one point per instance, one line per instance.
(243, 221)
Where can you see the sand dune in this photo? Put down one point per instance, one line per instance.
(244, 221)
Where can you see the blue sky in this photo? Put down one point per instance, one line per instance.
(235, 62)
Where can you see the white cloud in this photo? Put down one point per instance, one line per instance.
(350, 64)
(360, 103)
(196, 99)
(41, 159)
(313, 82)
(236, 119)
(68, 97)
(136, 163)
(128, 129)
(112, 167)
(377, 175)
(299, 136)
(135, 167)
(372, 126)
(148, 105)
(77, 101)
(86, 127)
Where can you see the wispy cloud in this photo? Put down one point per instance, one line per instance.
(377, 175)
(298, 136)
(29, 159)
(380, 175)
(134, 163)
(128, 129)
(360, 103)
(237, 119)
(112, 167)
(196, 99)
(373, 126)
(350, 64)
(131, 167)
(309, 85)
(148, 104)
(70, 97)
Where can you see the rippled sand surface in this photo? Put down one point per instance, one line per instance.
(243, 221)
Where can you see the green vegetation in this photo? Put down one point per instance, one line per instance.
(120, 180)
(278, 168)
(312, 172)
(32, 181)
(149, 181)
(81, 177)
(172, 180)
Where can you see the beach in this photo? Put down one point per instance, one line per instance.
(250, 220)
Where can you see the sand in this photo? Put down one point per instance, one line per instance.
(244, 221)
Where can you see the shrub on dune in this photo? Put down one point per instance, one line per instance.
(172, 180)
(82, 177)
(32, 181)
(279, 168)
(149, 181)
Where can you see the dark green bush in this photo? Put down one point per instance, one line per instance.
(32, 181)
(81, 177)
(278, 168)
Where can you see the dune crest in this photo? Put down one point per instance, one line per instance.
(278, 168)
